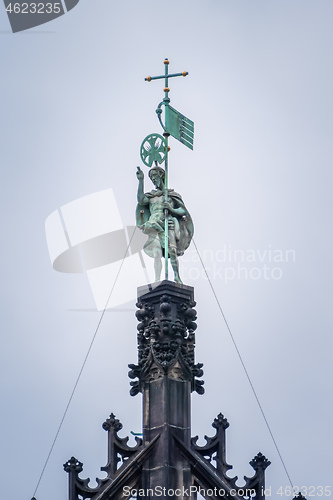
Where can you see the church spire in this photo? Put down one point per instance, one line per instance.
(166, 461)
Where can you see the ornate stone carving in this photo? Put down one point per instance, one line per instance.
(112, 423)
(214, 452)
(73, 465)
(119, 455)
(166, 338)
(215, 448)
(260, 462)
(118, 450)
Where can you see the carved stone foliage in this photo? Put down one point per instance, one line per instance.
(214, 452)
(166, 340)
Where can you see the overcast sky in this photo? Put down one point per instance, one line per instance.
(74, 111)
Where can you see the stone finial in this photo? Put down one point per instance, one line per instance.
(260, 462)
(112, 423)
(220, 421)
(73, 465)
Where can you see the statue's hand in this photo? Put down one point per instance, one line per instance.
(139, 174)
(167, 205)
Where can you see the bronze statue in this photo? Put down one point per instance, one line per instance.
(150, 218)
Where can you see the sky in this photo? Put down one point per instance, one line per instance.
(74, 111)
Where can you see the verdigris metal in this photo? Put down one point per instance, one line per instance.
(153, 149)
(176, 124)
(151, 218)
(179, 127)
(166, 459)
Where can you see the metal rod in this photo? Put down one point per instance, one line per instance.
(166, 214)
(149, 78)
(166, 134)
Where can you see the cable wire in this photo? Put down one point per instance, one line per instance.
(243, 365)
(82, 367)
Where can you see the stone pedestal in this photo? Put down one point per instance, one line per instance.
(166, 375)
(167, 462)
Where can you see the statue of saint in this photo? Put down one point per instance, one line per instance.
(150, 218)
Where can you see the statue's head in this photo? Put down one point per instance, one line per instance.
(157, 176)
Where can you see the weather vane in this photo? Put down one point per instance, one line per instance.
(161, 214)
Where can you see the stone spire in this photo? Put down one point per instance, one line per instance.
(166, 461)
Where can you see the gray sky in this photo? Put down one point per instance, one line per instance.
(74, 110)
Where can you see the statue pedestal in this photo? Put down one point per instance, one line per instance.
(167, 462)
(166, 380)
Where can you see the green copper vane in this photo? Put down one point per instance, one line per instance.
(179, 126)
(176, 124)
(161, 213)
(153, 149)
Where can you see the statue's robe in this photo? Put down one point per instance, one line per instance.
(184, 228)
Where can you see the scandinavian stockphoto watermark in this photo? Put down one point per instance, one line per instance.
(87, 235)
(26, 14)
(228, 263)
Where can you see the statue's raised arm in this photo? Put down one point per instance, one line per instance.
(141, 196)
(150, 218)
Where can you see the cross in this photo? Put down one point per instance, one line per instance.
(166, 134)
(166, 77)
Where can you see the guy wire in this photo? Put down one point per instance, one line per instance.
(82, 367)
(243, 365)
